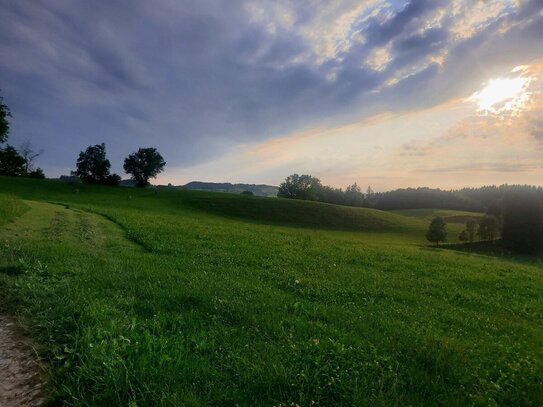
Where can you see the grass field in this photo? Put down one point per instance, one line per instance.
(160, 297)
(452, 217)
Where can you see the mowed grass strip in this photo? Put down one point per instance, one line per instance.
(179, 304)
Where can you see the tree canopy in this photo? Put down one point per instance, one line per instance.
(437, 231)
(489, 227)
(300, 187)
(354, 195)
(4, 123)
(11, 162)
(471, 229)
(93, 166)
(523, 223)
(144, 164)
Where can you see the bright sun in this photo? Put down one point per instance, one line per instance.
(503, 96)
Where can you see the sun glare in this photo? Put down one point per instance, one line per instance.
(503, 96)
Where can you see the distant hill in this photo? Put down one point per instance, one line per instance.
(260, 189)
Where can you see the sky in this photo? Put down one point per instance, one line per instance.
(392, 94)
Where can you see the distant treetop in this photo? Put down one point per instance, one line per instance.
(144, 164)
(4, 123)
(93, 166)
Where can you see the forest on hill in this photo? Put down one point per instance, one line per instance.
(482, 199)
(256, 189)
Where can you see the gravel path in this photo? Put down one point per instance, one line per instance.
(21, 378)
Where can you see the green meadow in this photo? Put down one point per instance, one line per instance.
(429, 214)
(143, 297)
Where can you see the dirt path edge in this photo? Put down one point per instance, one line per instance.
(22, 377)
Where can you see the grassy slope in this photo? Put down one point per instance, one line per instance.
(429, 214)
(235, 206)
(456, 220)
(450, 215)
(10, 208)
(207, 309)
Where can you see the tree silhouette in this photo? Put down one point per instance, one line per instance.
(11, 162)
(523, 223)
(300, 187)
(471, 229)
(354, 195)
(437, 231)
(93, 166)
(37, 173)
(144, 164)
(4, 123)
(29, 155)
(489, 227)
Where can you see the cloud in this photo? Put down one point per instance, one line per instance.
(415, 48)
(486, 167)
(379, 32)
(537, 129)
(198, 80)
(485, 143)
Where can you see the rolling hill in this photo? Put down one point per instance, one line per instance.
(257, 189)
(176, 297)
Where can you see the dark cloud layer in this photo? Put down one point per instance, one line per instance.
(196, 79)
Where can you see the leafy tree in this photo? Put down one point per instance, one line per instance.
(489, 227)
(370, 197)
(354, 195)
(11, 162)
(144, 164)
(471, 229)
(463, 237)
(4, 123)
(523, 223)
(250, 193)
(300, 187)
(93, 166)
(437, 232)
(16, 164)
(332, 195)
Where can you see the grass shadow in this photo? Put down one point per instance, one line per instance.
(11, 270)
(494, 248)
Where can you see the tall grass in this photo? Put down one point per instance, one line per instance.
(10, 208)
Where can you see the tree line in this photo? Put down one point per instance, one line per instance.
(92, 165)
(485, 228)
(310, 188)
(513, 213)
(483, 199)
(15, 162)
(94, 168)
(516, 223)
